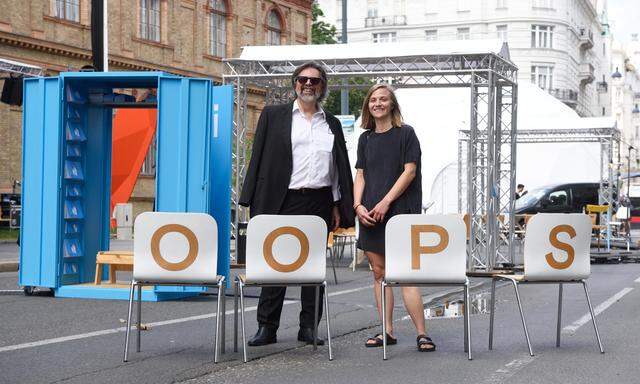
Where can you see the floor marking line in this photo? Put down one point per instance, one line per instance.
(154, 324)
(637, 280)
(570, 329)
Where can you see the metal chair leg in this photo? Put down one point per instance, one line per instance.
(559, 315)
(524, 323)
(333, 265)
(492, 313)
(384, 319)
(593, 317)
(139, 317)
(467, 319)
(244, 340)
(218, 320)
(223, 321)
(327, 319)
(235, 315)
(128, 331)
(316, 309)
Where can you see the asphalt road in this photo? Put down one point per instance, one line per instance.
(51, 340)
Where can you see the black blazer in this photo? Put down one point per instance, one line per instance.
(269, 174)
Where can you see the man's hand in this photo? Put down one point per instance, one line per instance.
(335, 213)
(380, 210)
(364, 216)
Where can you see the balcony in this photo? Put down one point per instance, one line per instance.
(586, 73)
(585, 39)
(385, 21)
(567, 96)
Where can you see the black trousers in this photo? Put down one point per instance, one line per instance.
(297, 202)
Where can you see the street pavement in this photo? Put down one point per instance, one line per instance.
(50, 340)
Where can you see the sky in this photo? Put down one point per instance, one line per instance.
(624, 17)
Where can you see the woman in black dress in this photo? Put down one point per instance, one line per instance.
(388, 182)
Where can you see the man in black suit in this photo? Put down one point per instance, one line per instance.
(299, 166)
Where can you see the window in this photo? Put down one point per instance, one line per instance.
(463, 34)
(558, 198)
(501, 3)
(542, 76)
(372, 12)
(543, 3)
(150, 20)
(149, 164)
(384, 37)
(274, 29)
(463, 5)
(541, 36)
(501, 32)
(68, 10)
(217, 28)
(431, 35)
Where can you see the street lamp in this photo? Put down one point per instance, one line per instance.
(616, 74)
(629, 170)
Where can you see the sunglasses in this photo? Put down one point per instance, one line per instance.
(303, 80)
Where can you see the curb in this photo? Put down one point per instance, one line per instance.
(8, 241)
(8, 266)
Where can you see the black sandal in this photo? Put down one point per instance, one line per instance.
(425, 344)
(377, 341)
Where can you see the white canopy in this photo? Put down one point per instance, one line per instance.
(372, 50)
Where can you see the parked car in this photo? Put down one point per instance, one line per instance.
(558, 198)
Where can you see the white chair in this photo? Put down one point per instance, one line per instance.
(284, 250)
(556, 251)
(174, 249)
(426, 250)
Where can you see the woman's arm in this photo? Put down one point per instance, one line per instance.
(361, 211)
(380, 210)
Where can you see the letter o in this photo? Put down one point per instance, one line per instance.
(267, 249)
(155, 247)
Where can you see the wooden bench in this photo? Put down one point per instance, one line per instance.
(117, 261)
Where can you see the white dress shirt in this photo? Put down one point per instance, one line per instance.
(312, 144)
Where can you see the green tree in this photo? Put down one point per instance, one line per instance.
(321, 32)
(325, 33)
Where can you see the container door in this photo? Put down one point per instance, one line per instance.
(220, 196)
(182, 182)
(41, 182)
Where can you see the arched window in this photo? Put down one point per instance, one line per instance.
(218, 28)
(274, 28)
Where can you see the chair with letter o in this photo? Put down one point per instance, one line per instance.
(174, 249)
(284, 250)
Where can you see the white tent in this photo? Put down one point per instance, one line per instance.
(438, 114)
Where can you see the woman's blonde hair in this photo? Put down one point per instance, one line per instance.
(368, 122)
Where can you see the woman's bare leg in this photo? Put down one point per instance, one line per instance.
(413, 302)
(377, 263)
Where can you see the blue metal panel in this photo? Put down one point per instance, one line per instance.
(181, 175)
(41, 178)
(220, 171)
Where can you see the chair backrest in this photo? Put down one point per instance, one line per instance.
(623, 213)
(175, 247)
(556, 247)
(425, 249)
(286, 249)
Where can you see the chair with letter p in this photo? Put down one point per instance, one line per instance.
(556, 251)
(426, 250)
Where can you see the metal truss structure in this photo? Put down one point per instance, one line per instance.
(609, 140)
(491, 79)
(19, 68)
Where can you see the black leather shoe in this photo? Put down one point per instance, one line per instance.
(306, 335)
(264, 336)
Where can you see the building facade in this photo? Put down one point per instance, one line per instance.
(560, 45)
(184, 37)
(625, 94)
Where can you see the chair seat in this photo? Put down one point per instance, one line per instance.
(244, 280)
(196, 283)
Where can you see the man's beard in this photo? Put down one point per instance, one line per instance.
(308, 98)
